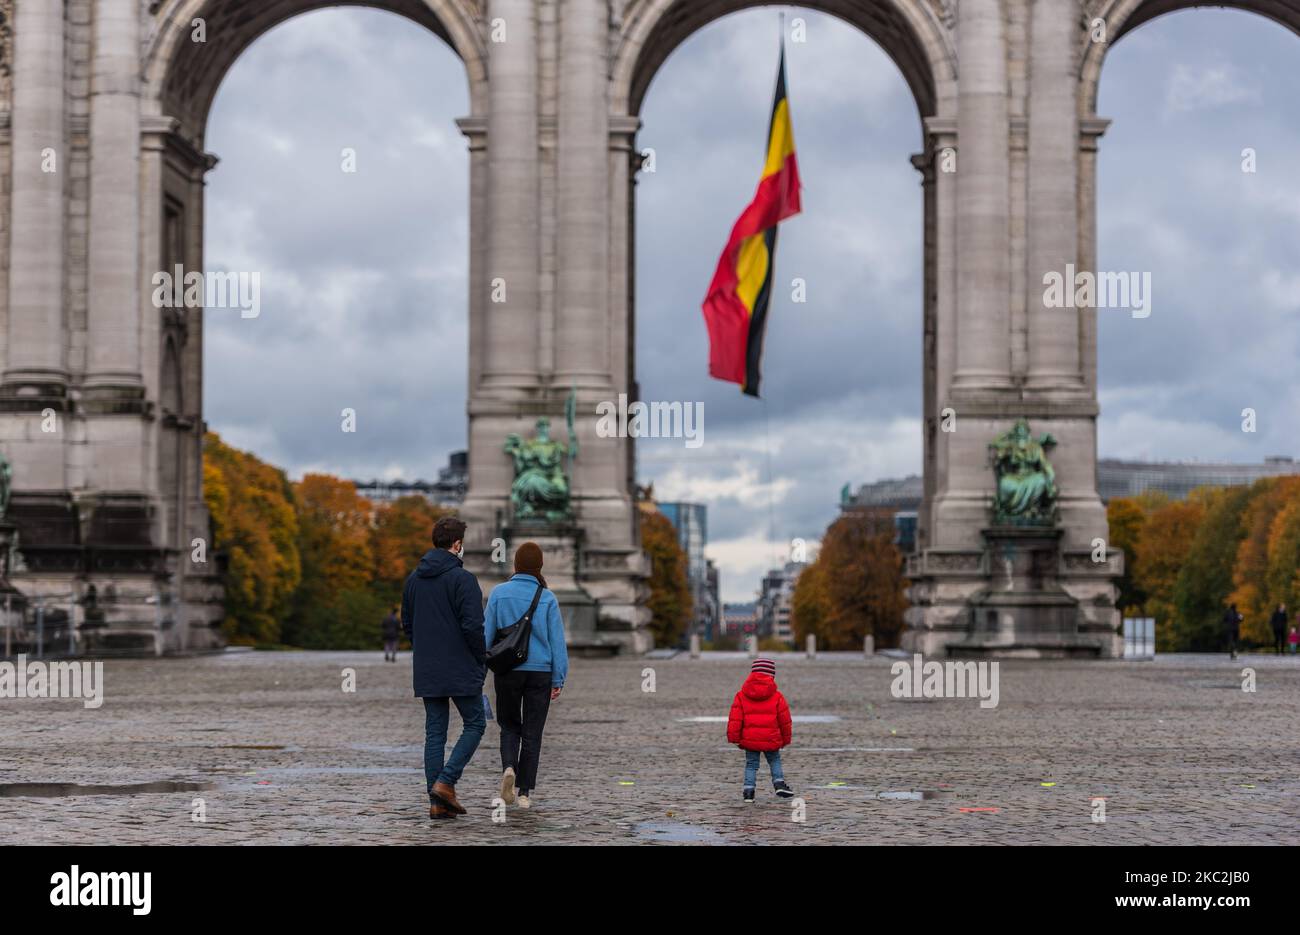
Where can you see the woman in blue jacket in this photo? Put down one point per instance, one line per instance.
(525, 693)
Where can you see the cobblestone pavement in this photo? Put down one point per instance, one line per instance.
(1180, 753)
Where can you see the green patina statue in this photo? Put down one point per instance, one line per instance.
(6, 484)
(1026, 484)
(541, 487)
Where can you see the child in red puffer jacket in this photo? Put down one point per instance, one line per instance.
(760, 723)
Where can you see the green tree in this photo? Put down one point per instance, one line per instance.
(334, 533)
(1205, 578)
(1161, 552)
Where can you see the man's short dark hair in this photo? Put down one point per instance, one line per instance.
(447, 530)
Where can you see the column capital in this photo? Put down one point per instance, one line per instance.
(1091, 130)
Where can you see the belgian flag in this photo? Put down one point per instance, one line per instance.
(735, 308)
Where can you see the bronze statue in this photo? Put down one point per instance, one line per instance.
(1026, 484)
(6, 485)
(541, 486)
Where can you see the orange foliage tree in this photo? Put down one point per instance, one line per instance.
(671, 605)
(856, 585)
(401, 534)
(254, 523)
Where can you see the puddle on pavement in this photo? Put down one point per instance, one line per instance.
(676, 832)
(385, 748)
(334, 770)
(252, 746)
(61, 789)
(900, 795)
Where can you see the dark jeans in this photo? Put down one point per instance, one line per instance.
(1279, 640)
(523, 698)
(436, 713)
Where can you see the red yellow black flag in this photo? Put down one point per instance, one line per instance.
(735, 308)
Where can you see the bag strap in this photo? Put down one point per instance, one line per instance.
(537, 596)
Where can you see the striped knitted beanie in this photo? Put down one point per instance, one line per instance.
(766, 666)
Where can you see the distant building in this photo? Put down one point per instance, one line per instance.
(447, 491)
(739, 619)
(691, 520)
(1119, 478)
(776, 601)
(900, 497)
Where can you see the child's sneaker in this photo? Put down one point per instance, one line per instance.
(783, 789)
(749, 796)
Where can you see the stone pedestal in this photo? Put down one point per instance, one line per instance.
(562, 550)
(1023, 594)
(1023, 610)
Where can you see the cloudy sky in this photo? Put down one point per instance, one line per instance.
(363, 274)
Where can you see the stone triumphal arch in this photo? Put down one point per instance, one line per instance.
(101, 413)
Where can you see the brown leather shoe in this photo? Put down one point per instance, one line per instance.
(438, 810)
(446, 795)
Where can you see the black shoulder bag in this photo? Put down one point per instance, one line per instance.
(510, 648)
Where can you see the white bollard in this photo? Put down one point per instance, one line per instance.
(695, 646)
(752, 645)
(811, 643)
(869, 645)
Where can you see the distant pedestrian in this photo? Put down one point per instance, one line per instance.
(760, 723)
(525, 693)
(1232, 628)
(392, 626)
(1294, 639)
(442, 616)
(1279, 628)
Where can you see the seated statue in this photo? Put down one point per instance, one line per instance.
(1026, 484)
(541, 487)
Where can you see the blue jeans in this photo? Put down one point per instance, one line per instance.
(436, 712)
(751, 766)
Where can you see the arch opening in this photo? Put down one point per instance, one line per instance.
(866, 285)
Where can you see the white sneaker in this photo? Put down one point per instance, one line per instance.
(508, 786)
(522, 801)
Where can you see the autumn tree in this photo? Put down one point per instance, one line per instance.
(1166, 540)
(1206, 576)
(1264, 569)
(334, 542)
(400, 536)
(857, 586)
(254, 523)
(810, 606)
(670, 601)
(1126, 518)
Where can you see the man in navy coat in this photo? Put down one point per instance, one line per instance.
(442, 616)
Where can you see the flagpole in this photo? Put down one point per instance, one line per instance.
(767, 424)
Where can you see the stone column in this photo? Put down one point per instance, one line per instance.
(1054, 362)
(475, 131)
(36, 353)
(582, 353)
(510, 362)
(983, 225)
(1090, 132)
(924, 163)
(113, 359)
